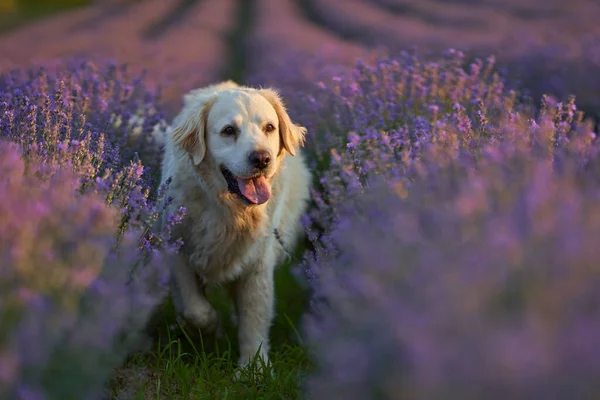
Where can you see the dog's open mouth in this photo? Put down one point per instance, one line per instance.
(254, 190)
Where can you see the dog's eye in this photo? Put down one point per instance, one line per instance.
(269, 128)
(228, 130)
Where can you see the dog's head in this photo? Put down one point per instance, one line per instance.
(245, 133)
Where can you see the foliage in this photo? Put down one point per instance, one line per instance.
(455, 238)
(81, 266)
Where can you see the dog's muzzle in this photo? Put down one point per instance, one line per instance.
(252, 191)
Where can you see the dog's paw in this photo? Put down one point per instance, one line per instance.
(206, 319)
(239, 375)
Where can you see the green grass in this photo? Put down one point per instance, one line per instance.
(30, 10)
(237, 41)
(187, 366)
(173, 372)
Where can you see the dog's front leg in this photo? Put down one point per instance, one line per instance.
(189, 298)
(254, 297)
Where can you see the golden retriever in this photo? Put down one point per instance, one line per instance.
(234, 159)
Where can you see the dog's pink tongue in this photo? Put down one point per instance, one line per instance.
(256, 190)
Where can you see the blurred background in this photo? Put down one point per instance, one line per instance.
(546, 45)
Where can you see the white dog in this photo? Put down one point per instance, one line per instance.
(226, 156)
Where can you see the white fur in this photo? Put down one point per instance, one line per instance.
(227, 241)
(134, 126)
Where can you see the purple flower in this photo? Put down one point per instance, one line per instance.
(453, 238)
(79, 274)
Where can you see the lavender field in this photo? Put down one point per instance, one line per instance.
(451, 246)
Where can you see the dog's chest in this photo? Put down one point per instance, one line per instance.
(218, 250)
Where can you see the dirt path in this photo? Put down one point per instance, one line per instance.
(282, 41)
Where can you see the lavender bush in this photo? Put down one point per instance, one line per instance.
(66, 295)
(455, 238)
(80, 268)
(79, 101)
(364, 122)
(99, 122)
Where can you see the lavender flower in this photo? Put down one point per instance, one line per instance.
(73, 306)
(83, 102)
(80, 256)
(382, 123)
(454, 240)
(99, 122)
(484, 285)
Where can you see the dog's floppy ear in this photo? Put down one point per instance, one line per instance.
(292, 135)
(189, 130)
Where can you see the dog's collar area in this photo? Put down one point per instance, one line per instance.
(233, 186)
(281, 243)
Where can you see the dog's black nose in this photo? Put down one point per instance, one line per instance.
(260, 159)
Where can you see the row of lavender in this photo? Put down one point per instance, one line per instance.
(80, 269)
(455, 230)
